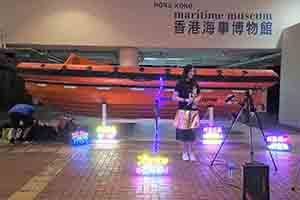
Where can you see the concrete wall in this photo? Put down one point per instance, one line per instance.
(141, 23)
(289, 109)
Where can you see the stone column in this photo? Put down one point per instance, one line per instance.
(128, 56)
(289, 109)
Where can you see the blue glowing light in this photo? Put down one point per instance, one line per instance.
(152, 170)
(157, 115)
(80, 137)
(279, 146)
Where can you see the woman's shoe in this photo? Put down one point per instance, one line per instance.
(192, 157)
(185, 156)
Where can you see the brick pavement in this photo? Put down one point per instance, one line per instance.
(94, 172)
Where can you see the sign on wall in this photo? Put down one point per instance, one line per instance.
(188, 19)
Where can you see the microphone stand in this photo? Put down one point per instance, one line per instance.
(248, 107)
(157, 116)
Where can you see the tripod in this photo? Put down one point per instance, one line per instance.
(249, 108)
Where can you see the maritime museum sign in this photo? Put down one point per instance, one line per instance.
(190, 20)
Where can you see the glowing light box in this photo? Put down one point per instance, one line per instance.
(212, 135)
(80, 137)
(152, 165)
(106, 132)
(278, 142)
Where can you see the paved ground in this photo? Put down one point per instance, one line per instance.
(97, 171)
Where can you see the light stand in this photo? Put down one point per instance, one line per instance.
(156, 127)
(154, 164)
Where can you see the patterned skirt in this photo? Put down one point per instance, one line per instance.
(187, 119)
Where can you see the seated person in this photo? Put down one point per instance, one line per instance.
(39, 132)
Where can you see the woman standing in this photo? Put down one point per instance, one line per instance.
(187, 117)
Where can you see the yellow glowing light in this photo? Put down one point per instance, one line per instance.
(106, 129)
(146, 159)
(108, 132)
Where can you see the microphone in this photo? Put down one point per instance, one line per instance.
(229, 98)
(193, 96)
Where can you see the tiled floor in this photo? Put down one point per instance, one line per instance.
(97, 171)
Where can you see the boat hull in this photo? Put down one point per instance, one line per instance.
(131, 103)
(129, 92)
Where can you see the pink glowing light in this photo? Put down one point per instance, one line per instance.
(277, 139)
(278, 142)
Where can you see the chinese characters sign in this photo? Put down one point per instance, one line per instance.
(223, 27)
(190, 21)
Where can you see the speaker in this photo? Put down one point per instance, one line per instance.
(255, 181)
